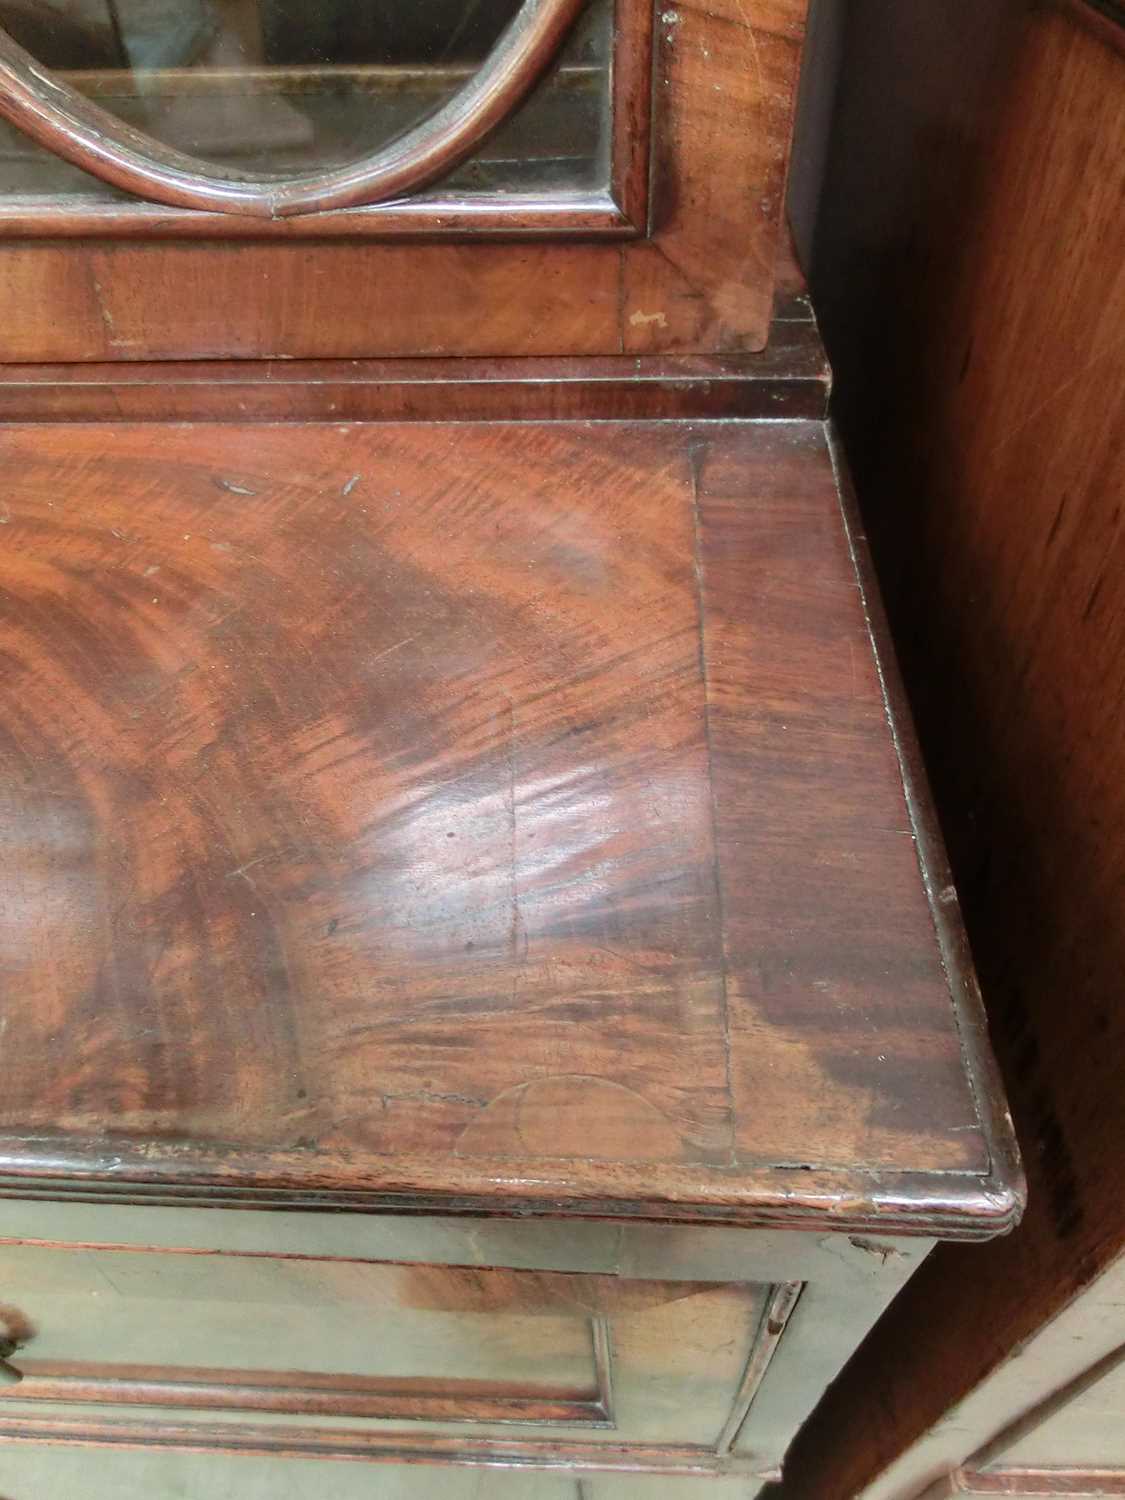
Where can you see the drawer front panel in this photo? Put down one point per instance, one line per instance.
(351, 1346)
(32, 1472)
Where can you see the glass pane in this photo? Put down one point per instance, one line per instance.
(287, 86)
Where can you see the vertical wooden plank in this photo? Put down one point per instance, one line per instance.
(972, 288)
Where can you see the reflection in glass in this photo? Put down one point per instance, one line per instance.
(289, 86)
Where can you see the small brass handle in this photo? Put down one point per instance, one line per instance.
(9, 1375)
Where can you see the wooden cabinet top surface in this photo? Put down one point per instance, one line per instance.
(503, 817)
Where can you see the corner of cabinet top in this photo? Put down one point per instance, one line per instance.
(480, 817)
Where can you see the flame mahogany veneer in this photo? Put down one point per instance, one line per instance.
(491, 814)
(512, 825)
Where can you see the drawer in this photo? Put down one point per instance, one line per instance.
(338, 1349)
(32, 1472)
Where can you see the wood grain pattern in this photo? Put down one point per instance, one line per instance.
(789, 379)
(991, 455)
(812, 819)
(125, 301)
(725, 82)
(353, 863)
(299, 1393)
(702, 282)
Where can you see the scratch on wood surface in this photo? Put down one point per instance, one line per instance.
(517, 934)
(432, 1096)
(755, 54)
(243, 871)
(398, 645)
(622, 297)
(108, 325)
(1087, 368)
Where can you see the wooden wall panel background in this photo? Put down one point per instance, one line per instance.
(971, 281)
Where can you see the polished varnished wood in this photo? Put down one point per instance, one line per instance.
(789, 379)
(563, 863)
(988, 430)
(697, 279)
(478, 818)
(489, 992)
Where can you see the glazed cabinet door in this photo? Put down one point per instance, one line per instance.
(266, 110)
(326, 178)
